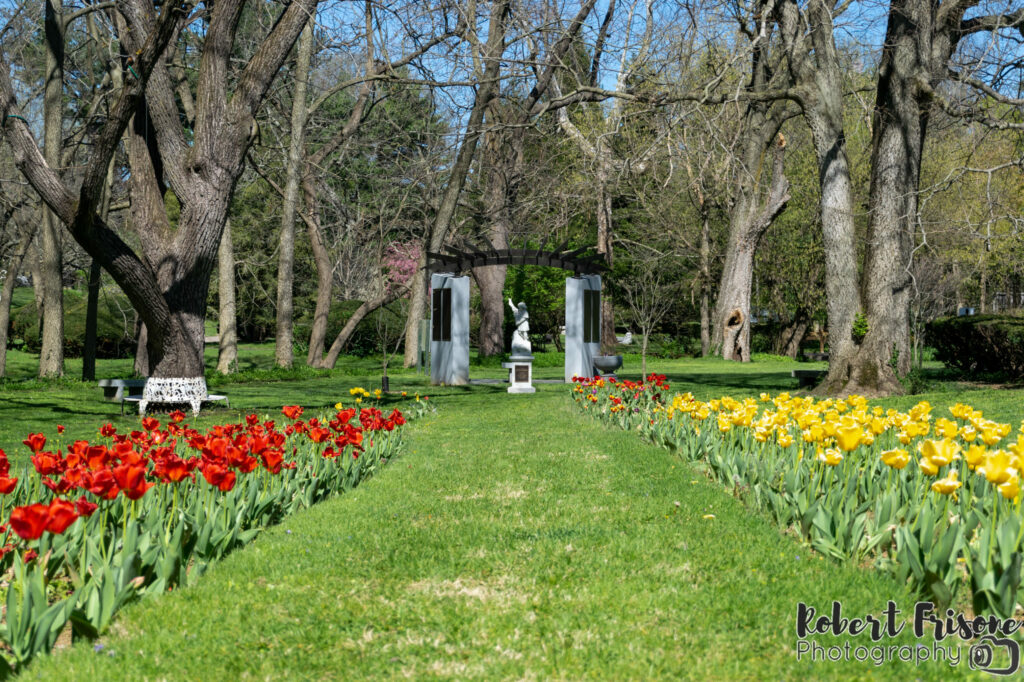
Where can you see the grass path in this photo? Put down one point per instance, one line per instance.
(515, 539)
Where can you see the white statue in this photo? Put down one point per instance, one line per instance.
(521, 336)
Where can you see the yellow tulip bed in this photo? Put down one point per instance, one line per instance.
(933, 498)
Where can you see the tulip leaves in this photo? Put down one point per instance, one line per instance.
(841, 475)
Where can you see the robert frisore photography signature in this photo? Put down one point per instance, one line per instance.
(989, 642)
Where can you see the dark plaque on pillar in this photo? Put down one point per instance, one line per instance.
(522, 374)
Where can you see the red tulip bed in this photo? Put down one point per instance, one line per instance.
(98, 524)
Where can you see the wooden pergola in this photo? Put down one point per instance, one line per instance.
(582, 261)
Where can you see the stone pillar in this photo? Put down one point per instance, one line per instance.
(582, 325)
(449, 329)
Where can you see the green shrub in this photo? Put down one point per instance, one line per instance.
(980, 344)
(115, 325)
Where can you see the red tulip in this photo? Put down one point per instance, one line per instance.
(60, 515)
(219, 475)
(84, 507)
(7, 485)
(59, 487)
(97, 457)
(177, 416)
(318, 435)
(150, 424)
(107, 430)
(131, 478)
(30, 521)
(47, 463)
(102, 484)
(35, 441)
(272, 460)
(292, 411)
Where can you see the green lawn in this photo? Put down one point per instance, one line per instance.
(515, 539)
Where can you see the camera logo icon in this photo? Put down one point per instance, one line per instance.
(982, 654)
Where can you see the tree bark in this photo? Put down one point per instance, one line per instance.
(284, 341)
(604, 246)
(91, 313)
(93, 297)
(918, 44)
(168, 282)
(51, 325)
(503, 159)
(749, 220)
(814, 65)
(705, 283)
(7, 291)
(227, 327)
(792, 334)
(141, 364)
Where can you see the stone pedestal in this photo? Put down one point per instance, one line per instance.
(520, 374)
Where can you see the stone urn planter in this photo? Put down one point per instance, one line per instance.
(607, 364)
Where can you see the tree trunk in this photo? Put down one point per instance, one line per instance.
(324, 274)
(91, 313)
(814, 63)
(604, 247)
(168, 281)
(438, 232)
(643, 354)
(916, 51)
(7, 291)
(749, 221)
(502, 160)
(141, 364)
(93, 300)
(283, 351)
(51, 326)
(705, 284)
(792, 334)
(491, 282)
(227, 327)
(358, 316)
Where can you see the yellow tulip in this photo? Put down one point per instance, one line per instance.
(878, 426)
(897, 458)
(785, 440)
(1010, 488)
(848, 437)
(996, 468)
(904, 438)
(920, 410)
(990, 437)
(831, 457)
(927, 466)
(968, 433)
(975, 455)
(948, 485)
(941, 452)
(946, 428)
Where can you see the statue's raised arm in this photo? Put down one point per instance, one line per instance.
(513, 306)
